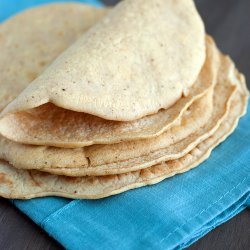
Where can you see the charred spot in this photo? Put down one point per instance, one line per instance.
(33, 179)
(71, 179)
(31, 76)
(42, 63)
(60, 33)
(4, 179)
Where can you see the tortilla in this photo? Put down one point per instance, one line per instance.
(33, 39)
(24, 184)
(39, 126)
(124, 68)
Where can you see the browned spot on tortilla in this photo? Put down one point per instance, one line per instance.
(42, 174)
(31, 76)
(60, 33)
(33, 179)
(43, 63)
(4, 179)
(71, 179)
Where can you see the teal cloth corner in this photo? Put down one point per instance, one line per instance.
(170, 215)
(11, 7)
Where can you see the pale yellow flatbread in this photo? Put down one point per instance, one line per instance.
(125, 67)
(24, 184)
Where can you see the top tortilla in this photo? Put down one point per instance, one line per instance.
(124, 68)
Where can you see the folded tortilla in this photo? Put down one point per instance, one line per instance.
(125, 66)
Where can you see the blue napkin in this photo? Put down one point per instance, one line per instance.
(170, 215)
(11, 7)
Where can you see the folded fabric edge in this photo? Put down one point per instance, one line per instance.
(225, 216)
(190, 227)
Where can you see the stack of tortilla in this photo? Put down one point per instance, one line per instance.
(95, 102)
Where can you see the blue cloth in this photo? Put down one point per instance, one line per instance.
(170, 215)
(11, 7)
